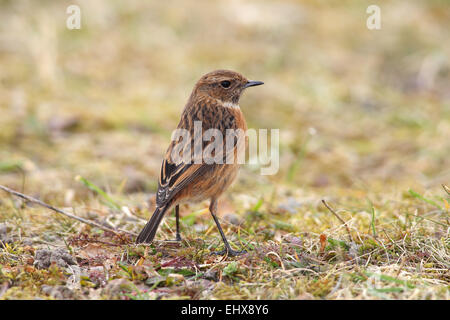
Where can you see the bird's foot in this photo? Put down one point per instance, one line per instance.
(229, 252)
(177, 240)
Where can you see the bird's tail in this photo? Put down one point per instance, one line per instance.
(148, 233)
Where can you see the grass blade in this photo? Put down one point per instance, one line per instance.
(419, 196)
(108, 200)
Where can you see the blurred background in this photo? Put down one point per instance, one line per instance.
(361, 112)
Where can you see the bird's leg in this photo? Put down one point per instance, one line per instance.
(177, 217)
(227, 250)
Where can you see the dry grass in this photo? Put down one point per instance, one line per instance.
(364, 118)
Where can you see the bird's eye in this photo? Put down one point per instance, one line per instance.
(226, 84)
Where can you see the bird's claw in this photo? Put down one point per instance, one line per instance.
(177, 240)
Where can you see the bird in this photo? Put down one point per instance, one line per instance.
(214, 102)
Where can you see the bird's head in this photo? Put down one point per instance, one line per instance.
(224, 85)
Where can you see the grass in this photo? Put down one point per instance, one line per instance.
(364, 120)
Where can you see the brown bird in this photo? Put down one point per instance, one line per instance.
(215, 102)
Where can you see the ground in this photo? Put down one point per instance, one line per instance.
(364, 119)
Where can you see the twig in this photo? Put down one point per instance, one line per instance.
(340, 219)
(67, 214)
(84, 238)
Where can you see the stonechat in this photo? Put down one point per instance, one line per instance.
(213, 104)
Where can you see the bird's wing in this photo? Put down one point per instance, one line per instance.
(174, 175)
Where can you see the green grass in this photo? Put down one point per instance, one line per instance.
(364, 120)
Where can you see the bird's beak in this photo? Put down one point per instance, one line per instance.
(253, 83)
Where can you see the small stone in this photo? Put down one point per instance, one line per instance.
(45, 257)
(117, 286)
(3, 229)
(291, 205)
(57, 292)
(60, 124)
(4, 234)
(295, 240)
(211, 275)
(233, 219)
(321, 181)
(200, 227)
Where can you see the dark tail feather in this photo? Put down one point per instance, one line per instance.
(148, 233)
